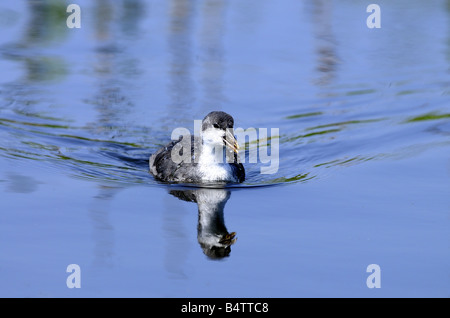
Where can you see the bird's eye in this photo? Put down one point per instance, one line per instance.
(215, 126)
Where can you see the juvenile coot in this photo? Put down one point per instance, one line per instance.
(213, 156)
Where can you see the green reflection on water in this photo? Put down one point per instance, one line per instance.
(299, 177)
(428, 116)
(47, 22)
(322, 132)
(45, 68)
(101, 140)
(360, 92)
(348, 122)
(4, 120)
(304, 115)
(344, 161)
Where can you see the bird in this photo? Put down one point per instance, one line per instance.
(211, 158)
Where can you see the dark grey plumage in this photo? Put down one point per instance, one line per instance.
(188, 170)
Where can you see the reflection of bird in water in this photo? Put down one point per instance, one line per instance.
(212, 233)
(208, 166)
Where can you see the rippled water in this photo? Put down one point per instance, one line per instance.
(357, 110)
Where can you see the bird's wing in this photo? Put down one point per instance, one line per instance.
(161, 164)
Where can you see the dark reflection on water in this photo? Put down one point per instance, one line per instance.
(213, 55)
(181, 85)
(46, 27)
(326, 44)
(212, 234)
(21, 184)
(102, 227)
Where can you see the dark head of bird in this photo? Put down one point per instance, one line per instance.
(217, 128)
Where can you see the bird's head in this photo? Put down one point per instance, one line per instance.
(217, 130)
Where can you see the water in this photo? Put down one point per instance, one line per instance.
(363, 178)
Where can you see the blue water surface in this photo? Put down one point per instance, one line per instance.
(362, 172)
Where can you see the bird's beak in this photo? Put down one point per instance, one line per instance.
(230, 141)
